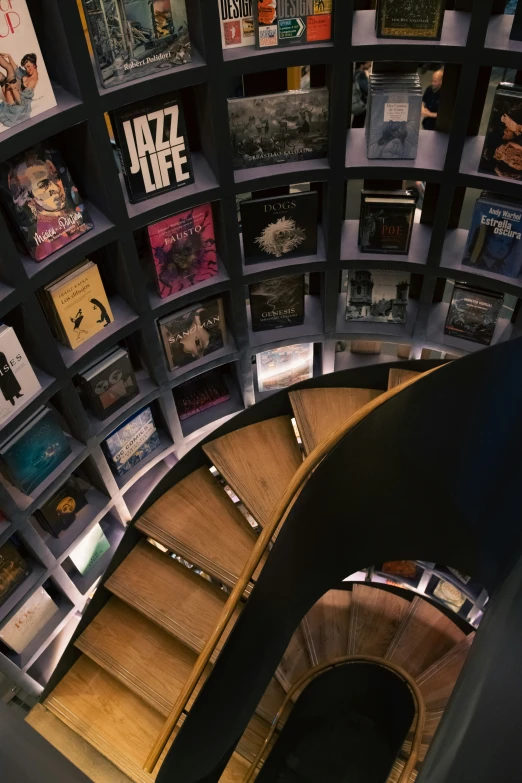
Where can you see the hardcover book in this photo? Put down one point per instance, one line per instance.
(404, 19)
(13, 570)
(449, 595)
(237, 23)
(278, 128)
(184, 250)
(18, 383)
(277, 302)
(495, 237)
(110, 383)
(43, 201)
(25, 86)
(190, 334)
(408, 569)
(59, 512)
(90, 549)
(134, 440)
(198, 394)
(28, 621)
(377, 295)
(502, 151)
(386, 222)
(292, 22)
(282, 367)
(132, 39)
(153, 145)
(473, 313)
(279, 227)
(393, 116)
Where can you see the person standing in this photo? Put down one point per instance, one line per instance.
(360, 93)
(430, 101)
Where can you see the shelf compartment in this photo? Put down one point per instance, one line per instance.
(419, 246)
(454, 35)
(148, 391)
(436, 338)
(371, 330)
(264, 177)
(308, 332)
(212, 417)
(428, 165)
(451, 261)
(132, 475)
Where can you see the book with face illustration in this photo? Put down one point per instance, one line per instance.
(191, 334)
(502, 151)
(279, 227)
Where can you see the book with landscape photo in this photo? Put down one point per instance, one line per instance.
(90, 549)
(277, 302)
(377, 295)
(131, 442)
(280, 368)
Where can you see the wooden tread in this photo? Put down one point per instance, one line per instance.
(397, 377)
(374, 619)
(396, 772)
(437, 682)
(295, 662)
(326, 626)
(236, 770)
(258, 462)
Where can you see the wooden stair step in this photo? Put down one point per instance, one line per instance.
(397, 377)
(272, 700)
(197, 520)
(236, 770)
(397, 770)
(406, 750)
(253, 737)
(295, 661)
(375, 617)
(258, 462)
(326, 626)
(424, 636)
(437, 682)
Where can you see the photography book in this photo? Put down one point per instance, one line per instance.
(473, 313)
(282, 367)
(237, 23)
(153, 145)
(279, 227)
(404, 19)
(292, 22)
(59, 512)
(76, 305)
(198, 394)
(13, 570)
(393, 116)
(495, 237)
(277, 302)
(279, 128)
(377, 295)
(25, 88)
(90, 549)
(502, 151)
(386, 221)
(184, 250)
(110, 383)
(20, 630)
(131, 442)
(192, 333)
(132, 39)
(18, 382)
(39, 194)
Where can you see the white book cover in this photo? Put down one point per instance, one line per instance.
(25, 87)
(89, 550)
(18, 383)
(22, 628)
(237, 24)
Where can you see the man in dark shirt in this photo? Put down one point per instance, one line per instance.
(430, 101)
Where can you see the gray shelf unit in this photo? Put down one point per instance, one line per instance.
(447, 160)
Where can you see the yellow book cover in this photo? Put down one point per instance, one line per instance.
(82, 305)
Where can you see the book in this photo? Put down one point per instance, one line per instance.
(76, 305)
(473, 313)
(277, 302)
(90, 549)
(26, 624)
(237, 23)
(502, 152)
(280, 368)
(183, 249)
(110, 383)
(281, 23)
(516, 28)
(377, 295)
(26, 89)
(45, 205)
(190, 334)
(279, 128)
(132, 39)
(59, 512)
(408, 569)
(13, 570)
(449, 595)
(494, 241)
(198, 394)
(393, 116)
(34, 451)
(404, 19)
(464, 578)
(279, 227)
(18, 382)
(386, 221)
(131, 442)
(153, 146)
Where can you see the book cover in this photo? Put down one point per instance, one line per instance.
(394, 115)
(110, 383)
(184, 250)
(18, 382)
(408, 569)
(198, 394)
(279, 227)
(237, 23)
(37, 190)
(153, 145)
(377, 295)
(473, 314)
(190, 334)
(13, 570)
(132, 39)
(25, 88)
(28, 621)
(283, 367)
(386, 224)
(449, 595)
(134, 440)
(404, 19)
(277, 303)
(495, 237)
(292, 22)
(90, 549)
(59, 512)
(279, 128)
(502, 151)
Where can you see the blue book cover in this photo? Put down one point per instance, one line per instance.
(495, 238)
(394, 124)
(132, 442)
(33, 454)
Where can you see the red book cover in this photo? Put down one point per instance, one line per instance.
(184, 249)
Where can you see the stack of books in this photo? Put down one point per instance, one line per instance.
(393, 116)
(386, 221)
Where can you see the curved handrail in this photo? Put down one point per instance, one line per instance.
(311, 674)
(277, 517)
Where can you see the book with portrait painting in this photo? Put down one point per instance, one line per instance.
(502, 151)
(39, 194)
(191, 334)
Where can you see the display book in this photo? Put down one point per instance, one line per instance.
(25, 625)
(132, 39)
(473, 313)
(494, 241)
(376, 295)
(198, 394)
(502, 151)
(90, 549)
(280, 368)
(393, 116)
(153, 146)
(386, 221)
(406, 19)
(278, 302)
(408, 573)
(14, 569)
(109, 383)
(279, 128)
(237, 23)
(59, 512)
(281, 23)
(18, 382)
(131, 442)
(194, 332)
(42, 200)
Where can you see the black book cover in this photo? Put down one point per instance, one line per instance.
(407, 19)
(13, 570)
(473, 314)
(386, 224)
(59, 512)
(198, 394)
(502, 151)
(194, 333)
(277, 302)
(153, 145)
(279, 227)
(112, 387)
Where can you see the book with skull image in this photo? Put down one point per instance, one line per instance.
(110, 383)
